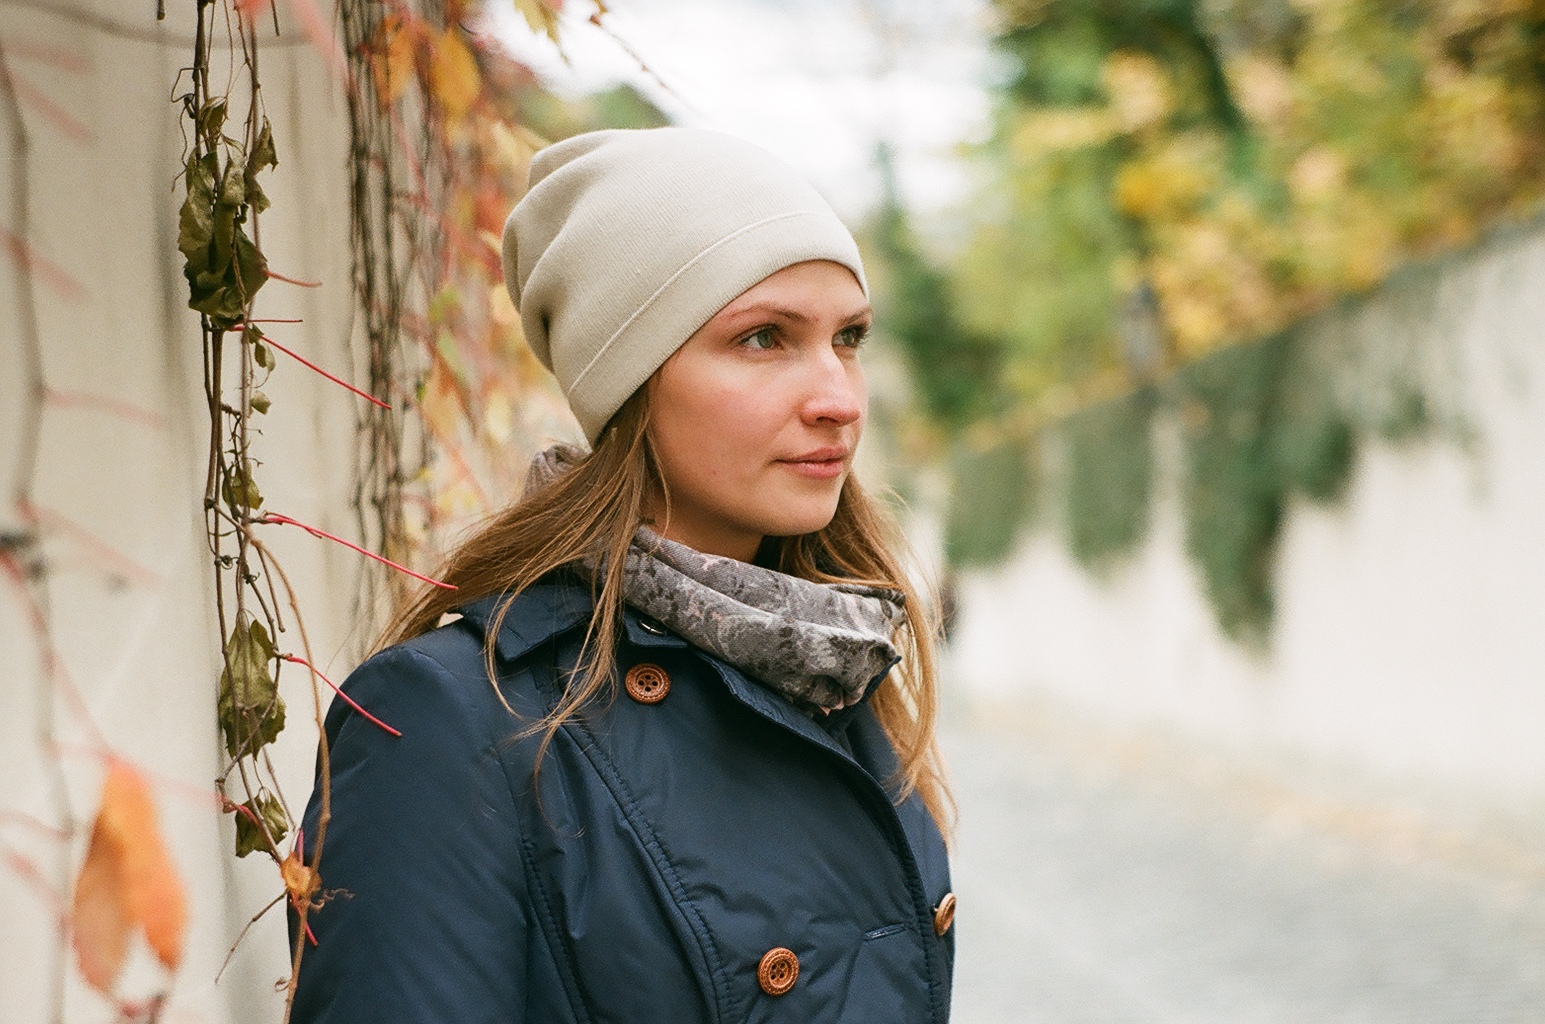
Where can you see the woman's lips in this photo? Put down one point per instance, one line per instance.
(821, 464)
(818, 470)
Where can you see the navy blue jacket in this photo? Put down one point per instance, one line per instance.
(642, 875)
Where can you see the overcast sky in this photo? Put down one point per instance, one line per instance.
(819, 82)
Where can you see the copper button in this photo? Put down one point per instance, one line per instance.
(944, 914)
(777, 971)
(647, 684)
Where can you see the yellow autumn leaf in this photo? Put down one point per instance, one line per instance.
(1263, 87)
(453, 74)
(499, 417)
(1042, 132)
(1139, 89)
(542, 17)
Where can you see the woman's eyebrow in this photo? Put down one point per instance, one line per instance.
(794, 315)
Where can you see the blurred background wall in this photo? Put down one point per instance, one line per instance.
(1406, 636)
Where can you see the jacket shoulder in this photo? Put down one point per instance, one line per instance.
(546, 609)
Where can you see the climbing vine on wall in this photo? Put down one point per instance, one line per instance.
(439, 147)
(399, 70)
(453, 397)
(230, 147)
(449, 399)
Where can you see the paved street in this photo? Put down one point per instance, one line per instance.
(1133, 887)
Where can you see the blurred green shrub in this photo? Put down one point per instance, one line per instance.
(1109, 477)
(993, 500)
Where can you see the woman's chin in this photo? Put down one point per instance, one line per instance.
(796, 518)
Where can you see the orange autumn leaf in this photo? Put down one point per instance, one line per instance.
(394, 57)
(453, 74)
(100, 915)
(127, 880)
(490, 206)
(440, 402)
(299, 880)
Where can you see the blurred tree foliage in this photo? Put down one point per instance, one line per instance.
(1249, 160)
(956, 369)
(553, 117)
(1169, 185)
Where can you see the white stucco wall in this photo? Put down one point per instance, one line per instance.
(1410, 629)
(138, 637)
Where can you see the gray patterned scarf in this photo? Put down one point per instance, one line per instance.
(818, 644)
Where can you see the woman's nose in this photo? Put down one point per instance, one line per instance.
(838, 393)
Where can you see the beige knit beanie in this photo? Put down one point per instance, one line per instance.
(628, 241)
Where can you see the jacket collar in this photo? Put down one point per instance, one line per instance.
(550, 608)
(537, 614)
(556, 605)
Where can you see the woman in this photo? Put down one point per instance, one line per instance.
(699, 787)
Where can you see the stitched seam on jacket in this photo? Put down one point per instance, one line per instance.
(914, 873)
(562, 952)
(546, 918)
(549, 920)
(652, 845)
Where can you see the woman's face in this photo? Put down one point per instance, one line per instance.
(754, 420)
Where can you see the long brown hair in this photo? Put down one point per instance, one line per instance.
(592, 512)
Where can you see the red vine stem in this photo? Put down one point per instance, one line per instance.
(28, 870)
(64, 60)
(318, 30)
(37, 825)
(341, 383)
(53, 664)
(274, 517)
(596, 19)
(197, 795)
(61, 118)
(290, 280)
(346, 698)
(86, 399)
(49, 519)
(231, 805)
(41, 266)
(297, 849)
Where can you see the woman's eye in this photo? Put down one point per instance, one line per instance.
(763, 339)
(852, 337)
